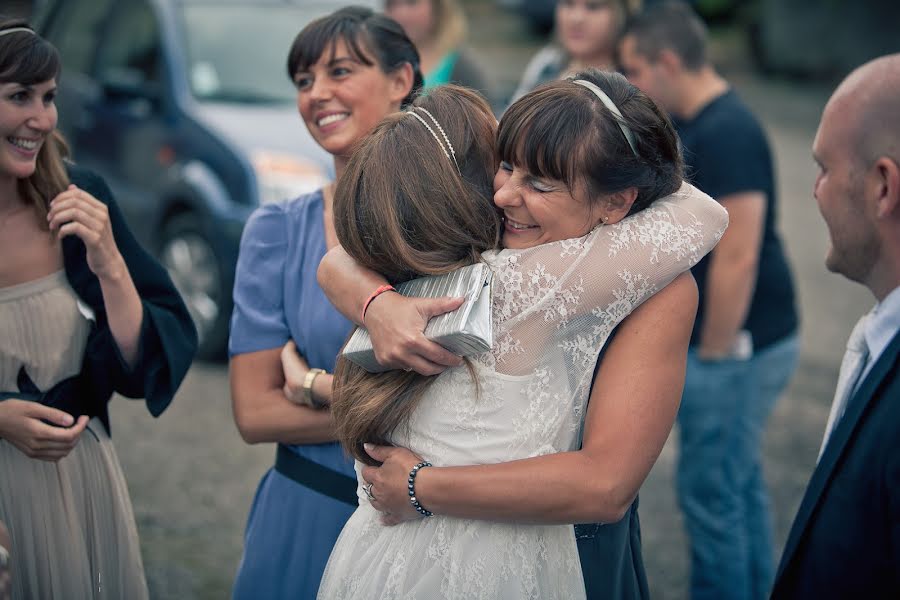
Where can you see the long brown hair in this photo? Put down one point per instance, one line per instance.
(27, 59)
(402, 209)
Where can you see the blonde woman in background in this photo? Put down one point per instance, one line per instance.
(586, 32)
(438, 29)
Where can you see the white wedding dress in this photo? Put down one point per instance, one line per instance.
(554, 307)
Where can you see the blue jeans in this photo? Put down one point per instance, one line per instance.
(720, 483)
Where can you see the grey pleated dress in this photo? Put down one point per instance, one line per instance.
(71, 522)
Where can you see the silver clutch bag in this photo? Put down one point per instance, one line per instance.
(465, 331)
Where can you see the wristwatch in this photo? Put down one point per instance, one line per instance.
(308, 380)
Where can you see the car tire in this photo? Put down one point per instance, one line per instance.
(201, 279)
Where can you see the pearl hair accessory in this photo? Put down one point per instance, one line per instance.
(435, 135)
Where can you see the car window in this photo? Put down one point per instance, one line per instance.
(130, 51)
(75, 29)
(237, 52)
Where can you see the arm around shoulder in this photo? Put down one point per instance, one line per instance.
(346, 284)
(395, 323)
(632, 409)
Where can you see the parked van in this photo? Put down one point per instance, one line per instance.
(186, 109)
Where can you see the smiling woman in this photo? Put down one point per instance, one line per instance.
(23, 143)
(75, 326)
(344, 94)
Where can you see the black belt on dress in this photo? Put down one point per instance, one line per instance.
(316, 477)
(69, 395)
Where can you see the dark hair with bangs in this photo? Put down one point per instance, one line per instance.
(366, 34)
(562, 131)
(28, 59)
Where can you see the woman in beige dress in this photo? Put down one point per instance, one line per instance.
(84, 312)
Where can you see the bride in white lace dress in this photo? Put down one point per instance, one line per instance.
(579, 257)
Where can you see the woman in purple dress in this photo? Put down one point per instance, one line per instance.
(351, 69)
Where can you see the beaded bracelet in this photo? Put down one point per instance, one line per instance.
(412, 489)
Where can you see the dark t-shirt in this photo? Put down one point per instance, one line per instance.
(726, 152)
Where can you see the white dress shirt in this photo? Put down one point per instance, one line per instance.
(882, 325)
(878, 329)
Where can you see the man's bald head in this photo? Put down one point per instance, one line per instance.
(857, 148)
(868, 101)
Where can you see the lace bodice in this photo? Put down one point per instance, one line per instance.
(554, 307)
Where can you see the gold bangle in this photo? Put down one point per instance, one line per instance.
(308, 380)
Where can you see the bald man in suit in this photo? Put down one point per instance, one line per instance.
(845, 540)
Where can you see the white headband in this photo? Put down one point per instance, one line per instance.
(608, 103)
(15, 29)
(435, 136)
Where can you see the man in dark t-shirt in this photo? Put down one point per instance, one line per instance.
(744, 346)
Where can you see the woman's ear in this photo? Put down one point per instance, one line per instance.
(618, 205)
(401, 82)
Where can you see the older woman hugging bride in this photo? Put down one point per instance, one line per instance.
(594, 219)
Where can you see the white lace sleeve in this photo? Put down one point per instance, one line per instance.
(570, 294)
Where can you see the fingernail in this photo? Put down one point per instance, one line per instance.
(368, 446)
(68, 420)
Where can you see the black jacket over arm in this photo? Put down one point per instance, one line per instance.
(845, 540)
(168, 339)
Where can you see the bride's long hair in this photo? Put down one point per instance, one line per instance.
(404, 209)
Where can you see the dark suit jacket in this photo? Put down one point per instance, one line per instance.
(845, 541)
(167, 341)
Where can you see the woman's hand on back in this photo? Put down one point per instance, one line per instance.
(396, 325)
(76, 212)
(22, 424)
(389, 490)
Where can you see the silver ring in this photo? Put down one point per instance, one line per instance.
(408, 369)
(368, 491)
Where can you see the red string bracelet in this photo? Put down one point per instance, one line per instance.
(378, 291)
